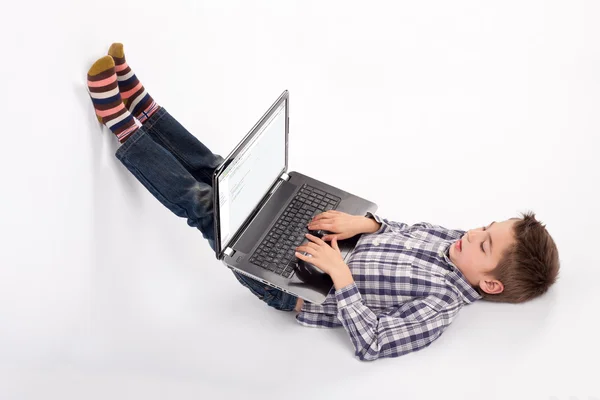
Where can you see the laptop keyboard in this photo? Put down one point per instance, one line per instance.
(276, 251)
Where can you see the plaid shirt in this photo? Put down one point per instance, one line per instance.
(406, 291)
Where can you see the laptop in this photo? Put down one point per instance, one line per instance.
(261, 210)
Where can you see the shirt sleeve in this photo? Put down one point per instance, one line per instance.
(386, 226)
(410, 327)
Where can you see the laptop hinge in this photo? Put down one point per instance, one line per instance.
(229, 252)
(283, 178)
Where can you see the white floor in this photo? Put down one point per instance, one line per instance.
(457, 113)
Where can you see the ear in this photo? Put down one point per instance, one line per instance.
(491, 286)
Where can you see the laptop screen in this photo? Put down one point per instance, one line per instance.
(248, 178)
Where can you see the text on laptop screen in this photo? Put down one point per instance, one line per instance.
(248, 178)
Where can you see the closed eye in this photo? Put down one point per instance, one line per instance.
(484, 228)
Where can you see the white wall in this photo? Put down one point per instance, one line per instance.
(455, 113)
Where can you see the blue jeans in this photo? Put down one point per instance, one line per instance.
(177, 169)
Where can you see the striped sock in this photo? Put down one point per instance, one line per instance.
(110, 110)
(137, 99)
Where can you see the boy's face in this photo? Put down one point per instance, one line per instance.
(478, 252)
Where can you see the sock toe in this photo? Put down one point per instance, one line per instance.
(101, 65)
(116, 50)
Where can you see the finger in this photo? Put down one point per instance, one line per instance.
(323, 224)
(323, 214)
(326, 214)
(312, 245)
(310, 252)
(329, 238)
(309, 247)
(301, 256)
(334, 244)
(319, 218)
(303, 248)
(314, 239)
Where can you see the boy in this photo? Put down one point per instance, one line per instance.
(403, 285)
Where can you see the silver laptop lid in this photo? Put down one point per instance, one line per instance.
(248, 174)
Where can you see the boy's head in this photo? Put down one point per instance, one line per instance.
(510, 261)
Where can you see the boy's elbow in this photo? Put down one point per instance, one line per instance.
(365, 357)
(367, 354)
(370, 354)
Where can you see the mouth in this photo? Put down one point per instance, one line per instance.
(459, 245)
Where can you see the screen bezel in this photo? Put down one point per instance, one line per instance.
(283, 98)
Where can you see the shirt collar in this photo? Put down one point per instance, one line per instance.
(455, 276)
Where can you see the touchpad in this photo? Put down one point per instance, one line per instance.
(265, 217)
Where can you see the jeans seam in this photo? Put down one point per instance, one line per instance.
(150, 122)
(159, 195)
(121, 151)
(174, 151)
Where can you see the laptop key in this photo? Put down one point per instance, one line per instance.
(272, 266)
(276, 252)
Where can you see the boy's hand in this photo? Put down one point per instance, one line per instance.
(327, 258)
(342, 225)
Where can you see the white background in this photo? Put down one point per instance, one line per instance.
(456, 113)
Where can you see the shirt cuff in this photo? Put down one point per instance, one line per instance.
(382, 228)
(347, 295)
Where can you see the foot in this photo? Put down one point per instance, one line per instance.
(104, 91)
(136, 98)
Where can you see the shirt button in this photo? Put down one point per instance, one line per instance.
(407, 247)
(376, 242)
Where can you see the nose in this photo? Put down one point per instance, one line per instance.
(473, 234)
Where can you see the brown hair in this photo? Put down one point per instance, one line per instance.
(530, 266)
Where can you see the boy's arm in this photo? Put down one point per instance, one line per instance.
(375, 224)
(412, 326)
